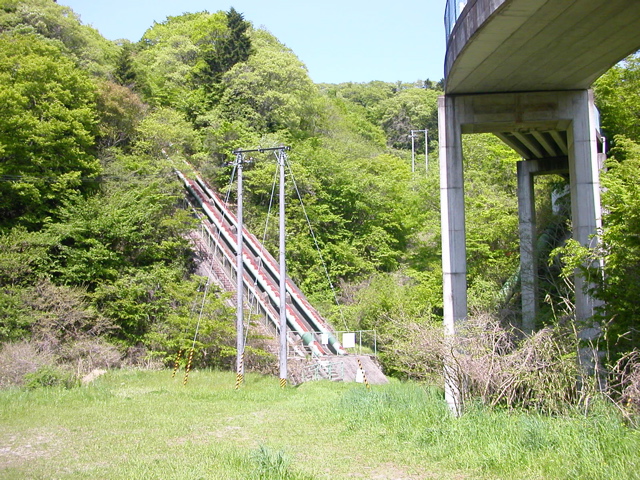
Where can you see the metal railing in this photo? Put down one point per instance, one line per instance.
(356, 342)
(451, 13)
(360, 342)
(322, 370)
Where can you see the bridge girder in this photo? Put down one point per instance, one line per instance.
(538, 45)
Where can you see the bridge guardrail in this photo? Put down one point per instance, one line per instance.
(451, 13)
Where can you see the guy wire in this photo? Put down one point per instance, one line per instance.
(315, 241)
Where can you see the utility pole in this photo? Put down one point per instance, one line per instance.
(413, 149)
(239, 278)
(282, 157)
(426, 151)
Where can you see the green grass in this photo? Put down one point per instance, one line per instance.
(145, 425)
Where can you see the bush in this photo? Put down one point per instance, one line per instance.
(540, 371)
(625, 384)
(50, 376)
(494, 363)
(18, 360)
(34, 365)
(88, 354)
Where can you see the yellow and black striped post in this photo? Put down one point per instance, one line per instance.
(364, 375)
(283, 383)
(239, 375)
(188, 369)
(239, 380)
(177, 364)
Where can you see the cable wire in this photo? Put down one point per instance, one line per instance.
(315, 241)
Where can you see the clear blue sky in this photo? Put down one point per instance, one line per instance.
(338, 40)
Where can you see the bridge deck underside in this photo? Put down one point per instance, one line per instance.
(537, 144)
(538, 45)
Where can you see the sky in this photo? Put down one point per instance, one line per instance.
(338, 40)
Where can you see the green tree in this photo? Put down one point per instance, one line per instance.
(213, 319)
(59, 23)
(360, 210)
(165, 69)
(170, 56)
(120, 112)
(409, 109)
(616, 94)
(47, 128)
(271, 91)
(368, 95)
(227, 50)
(24, 256)
(491, 211)
(621, 243)
(125, 73)
(164, 132)
(23, 259)
(619, 251)
(134, 224)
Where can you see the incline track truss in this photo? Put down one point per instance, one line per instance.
(261, 272)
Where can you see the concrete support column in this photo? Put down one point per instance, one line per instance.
(585, 190)
(454, 261)
(534, 124)
(586, 220)
(528, 254)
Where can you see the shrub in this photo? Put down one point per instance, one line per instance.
(88, 354)
(625, 384)
(494, 363)
(62, 315)
(50, 376)
(539, 371)
(33, 364)
(18, 360)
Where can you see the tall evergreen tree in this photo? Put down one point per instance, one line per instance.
(124, 73)
(234, 47)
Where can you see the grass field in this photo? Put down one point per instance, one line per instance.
(146, 425)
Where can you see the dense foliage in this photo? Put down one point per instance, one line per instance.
(619, 249)
(48, 114)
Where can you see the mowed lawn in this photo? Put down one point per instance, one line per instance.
(146, 425)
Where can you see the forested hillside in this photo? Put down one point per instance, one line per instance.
(95, 267)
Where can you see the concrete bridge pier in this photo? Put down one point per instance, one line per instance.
(528, 252)
(552, 131)
(454, 251)
(527, 170)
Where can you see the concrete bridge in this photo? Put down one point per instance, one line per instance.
(522, 69)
